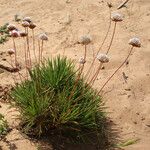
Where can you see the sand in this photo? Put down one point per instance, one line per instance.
(65, 21)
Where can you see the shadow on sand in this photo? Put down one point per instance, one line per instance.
(104, 142)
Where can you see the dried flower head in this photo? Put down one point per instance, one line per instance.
(25, 24)
(103, 58)
(23, 34)
(43, 37)
(82, 61)
(11, 27)
(117, 17)
(14, 34)
(28, 19)
(135, 42)
(85, 40)
(32, 25)
(11, 51)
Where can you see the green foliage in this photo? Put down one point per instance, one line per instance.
(127, 143)
(17, 18)
(3, 125)
(4, 33)
(45, 104)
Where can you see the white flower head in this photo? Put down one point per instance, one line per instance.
(103, 58)
(82, 60)
(135, 42)
(25, 24)
(14, 34)
(85, 39)
(117, 17)
(11, 27)
(28, 19)
(43, 37)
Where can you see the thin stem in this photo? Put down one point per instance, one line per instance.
(116, 70)
(15, 52)
(76, 82)
(11, 63)
(34, 44)
(103, 42)
(95, 75)
(85, 52)
(79, 75)
(42, 50)
(25, 52)
(28, 47)
(113, 35)
(39, 52)
(106, 32)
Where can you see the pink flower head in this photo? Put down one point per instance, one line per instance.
(14, 34)
(25, 24)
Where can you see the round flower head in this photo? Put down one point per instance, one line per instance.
(103, 58)
(23, 34)
(25, 24)
(135, 42)
(117, 17)
(11, 51)
(11, 27)
(28, 19)
(85, 40)
(14, 34)
(43, 37)
(32, 25)
(82, 61)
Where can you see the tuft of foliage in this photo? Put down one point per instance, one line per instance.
(17, 18)
(3, 125)
(4, 33)
(45, 104)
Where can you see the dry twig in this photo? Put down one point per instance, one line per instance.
(123, 4)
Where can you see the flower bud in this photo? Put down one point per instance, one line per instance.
(11, 51)
(82, 61)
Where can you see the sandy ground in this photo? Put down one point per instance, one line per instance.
(65, 21)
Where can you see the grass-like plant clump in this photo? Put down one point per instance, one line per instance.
(45, 104)
(52, 96)
(4, 33)
(3, 126)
